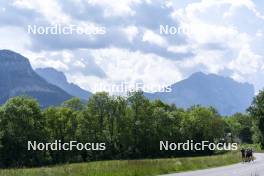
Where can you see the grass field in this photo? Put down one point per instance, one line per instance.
(146, 167)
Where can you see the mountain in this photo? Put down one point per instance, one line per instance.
(18, 78)
(59, 79)
(225, 94)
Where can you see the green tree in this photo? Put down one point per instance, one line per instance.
(130, 126)
(74, 104)
(202, 124)
(240, 126)
(97, 124)
(62, 124)
(256, 110)
(143, 123)
(21, 121)
(167, 122)
(98, 105)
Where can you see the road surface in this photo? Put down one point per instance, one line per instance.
(255, 168)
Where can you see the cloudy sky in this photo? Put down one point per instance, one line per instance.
(226, 38)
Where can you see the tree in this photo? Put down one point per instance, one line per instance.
(62, 124)
(168, 125)
(202, 124)
(74, 104)
(98, 105)
(98, 124)
(240, 126)
(143, 123)
(256, 110)
(21, 121)
(131, 127)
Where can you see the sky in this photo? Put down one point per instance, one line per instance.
(224, 37)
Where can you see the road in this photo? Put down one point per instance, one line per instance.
(255, 168)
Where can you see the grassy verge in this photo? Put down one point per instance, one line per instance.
(146, 167)
(255, 147)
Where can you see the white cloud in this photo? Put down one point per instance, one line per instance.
(115, 8)
(14, 37)
(50, 9)
(153, 38)
(259, 33)
(131, 32)
(219, 41)
(179, 49)
(122, 65)
(247, 62)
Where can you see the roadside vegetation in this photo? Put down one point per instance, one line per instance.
(148, 167)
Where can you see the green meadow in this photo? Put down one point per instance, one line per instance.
(146, 167)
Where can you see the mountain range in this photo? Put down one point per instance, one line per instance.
(222, 93)
(50, 87)
(58, 78)
(18, 78)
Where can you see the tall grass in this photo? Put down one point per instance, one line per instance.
(147, 167)
(255, 147)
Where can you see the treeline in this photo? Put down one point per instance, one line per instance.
(131, 127)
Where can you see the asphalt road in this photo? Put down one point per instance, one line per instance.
(255, 168)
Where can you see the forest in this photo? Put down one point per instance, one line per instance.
(131, 127)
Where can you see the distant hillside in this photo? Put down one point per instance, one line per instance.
(18, 78)
(58, 78)
(225, 94)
